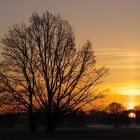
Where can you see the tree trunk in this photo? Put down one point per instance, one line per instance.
(116, 121)
(50, 125)
(32, 120)
(116, 125)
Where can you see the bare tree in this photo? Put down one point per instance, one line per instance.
(68, 74)
(17, 70)
(43, 64)
(115, 109)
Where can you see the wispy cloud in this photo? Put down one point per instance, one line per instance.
(124, 64)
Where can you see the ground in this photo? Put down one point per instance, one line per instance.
(96, 134)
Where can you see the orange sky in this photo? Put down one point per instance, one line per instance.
(113, 26)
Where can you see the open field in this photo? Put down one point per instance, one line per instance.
(98, 134)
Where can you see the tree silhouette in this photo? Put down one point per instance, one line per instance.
(115, 109)
(17, 70)
(44, 67)
(137, 108)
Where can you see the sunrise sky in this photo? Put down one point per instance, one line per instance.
(113, 26)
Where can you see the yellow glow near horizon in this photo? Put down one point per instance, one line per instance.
(130, 90)
(131, 105)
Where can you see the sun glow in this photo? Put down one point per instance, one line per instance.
(130, 92)
(132, 115)
(131, 105)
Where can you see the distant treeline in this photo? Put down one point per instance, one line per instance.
(78, 119)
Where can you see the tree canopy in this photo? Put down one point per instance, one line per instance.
(43, 68)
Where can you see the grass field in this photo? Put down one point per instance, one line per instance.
(98, 134)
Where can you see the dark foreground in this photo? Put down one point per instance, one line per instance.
(100, 134)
